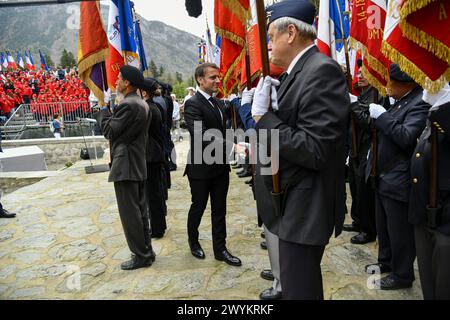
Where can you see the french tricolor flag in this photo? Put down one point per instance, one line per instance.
(20, 62)
(11, 63)
(334, 26)
(115, 60)
(29, 60)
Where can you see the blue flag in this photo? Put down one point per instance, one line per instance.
(141, 49)
(43, 62)
(341, 21)
(127, 34)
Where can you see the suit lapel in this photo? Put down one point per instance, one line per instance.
(297, 68)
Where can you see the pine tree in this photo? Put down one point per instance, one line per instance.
(178, 77)
(153, 69)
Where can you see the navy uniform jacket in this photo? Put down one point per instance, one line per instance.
(127, 128)
(398, 131)
(420, 171)
(155, 151)
(312, 120)
(198, 108)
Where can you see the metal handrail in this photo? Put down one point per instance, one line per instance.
(14, 113)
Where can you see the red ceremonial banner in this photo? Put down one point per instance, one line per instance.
(422, 65)
(428, 25)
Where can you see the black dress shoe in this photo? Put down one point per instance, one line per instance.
(267, 274)
(238, 166)
(228, 258)
(157, 235)
(6, 214)
(362, 238)
(389, 283)
(375, 267)
(245, 174)
(136, 263)
(263, 245)
(263, 235)
(351, 227)
(197, 250)
(270, 294)
(250, 181)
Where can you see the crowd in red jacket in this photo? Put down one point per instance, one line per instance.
(40, 87)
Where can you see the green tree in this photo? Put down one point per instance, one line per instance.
(49, 60)
(179, 89)
(191, 82)
(67, 59)
(161, 71)
(153, 69)
(178, 77)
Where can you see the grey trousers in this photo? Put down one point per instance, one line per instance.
(433, 257)
(274, 258)
(131, 200)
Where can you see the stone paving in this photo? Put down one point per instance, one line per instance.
(67, 243)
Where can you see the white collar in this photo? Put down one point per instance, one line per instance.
(294, 62)
(207, 96)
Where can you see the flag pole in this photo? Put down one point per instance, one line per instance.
(276, 190)
(354, 124)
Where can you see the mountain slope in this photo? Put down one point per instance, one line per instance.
(52, 28)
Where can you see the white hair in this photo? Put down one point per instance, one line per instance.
(306, 30)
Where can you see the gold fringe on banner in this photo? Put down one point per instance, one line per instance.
(236, 8)
(411, 6)
(425, 40)
(87, 62)
(413, 71)
(374, 63)
(374, 82)
(225, 34)
(230, 71)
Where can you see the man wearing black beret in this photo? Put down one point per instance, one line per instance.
(156, 173)
(310, 111)
(398, 129)
(127, 129)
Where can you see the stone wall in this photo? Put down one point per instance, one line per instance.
(62, 151)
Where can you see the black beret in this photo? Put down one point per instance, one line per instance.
(302, 10)
(399, 75)
(149, 85)
(132, 74)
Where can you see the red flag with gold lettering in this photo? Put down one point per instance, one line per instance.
(366, 36)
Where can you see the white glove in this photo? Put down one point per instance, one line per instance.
(376, 110)
(247, 96)
(263, 96)
(432, 98)
(232, 97)
(353, 98)
(107, 96)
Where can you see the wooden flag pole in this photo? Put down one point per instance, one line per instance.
(266, 71)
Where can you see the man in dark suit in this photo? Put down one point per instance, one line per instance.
(363, 195)
(208, 178)
(127, 129)
(432, 226)
(398, 129)
(310, 112)
(156, 184)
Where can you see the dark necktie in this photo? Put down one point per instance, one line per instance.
(282, 77)
(216, 107)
